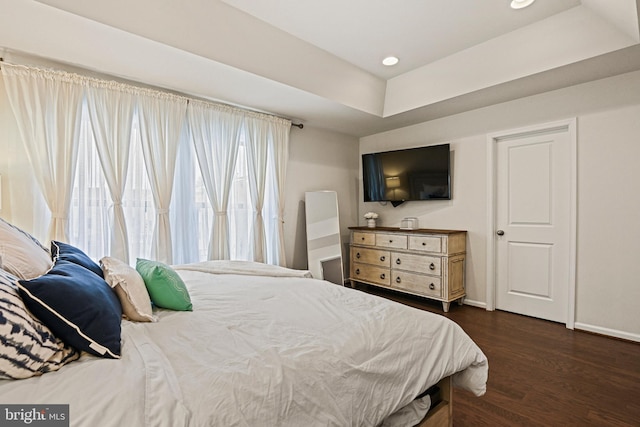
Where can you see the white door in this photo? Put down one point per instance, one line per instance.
(533, 223)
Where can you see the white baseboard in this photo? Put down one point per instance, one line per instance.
(606, 331)
(473, 303)
(578, 325)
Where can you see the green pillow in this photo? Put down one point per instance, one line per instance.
(165, 287)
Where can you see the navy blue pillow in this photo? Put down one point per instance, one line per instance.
(79, 307)
(67, 252)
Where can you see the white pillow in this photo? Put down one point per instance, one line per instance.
(21, 254)
(130, 289)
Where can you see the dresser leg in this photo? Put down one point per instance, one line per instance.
(445, 306)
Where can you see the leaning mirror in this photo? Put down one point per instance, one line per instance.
(324, 249)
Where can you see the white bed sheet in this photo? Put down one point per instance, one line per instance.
(263, 350)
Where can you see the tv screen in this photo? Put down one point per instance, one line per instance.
(404, 175)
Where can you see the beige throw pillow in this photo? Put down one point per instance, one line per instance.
(21, 254)
(130, 289)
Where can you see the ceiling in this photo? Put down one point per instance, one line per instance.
(363, 32)
(319, 62)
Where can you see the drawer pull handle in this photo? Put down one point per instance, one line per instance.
(382, 276)
(390, 241)
(398, 261)
(424, 244)
(357, 271)
(363, 238)
(432, 266)
(358, 255)
(382, 258)
(398, 280)
(432, 286)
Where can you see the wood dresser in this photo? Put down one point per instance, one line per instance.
(423, 262)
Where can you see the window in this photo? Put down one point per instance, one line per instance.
(191, 212)
(90, 223)
(88, 220)
(139, 209)
(240, 210)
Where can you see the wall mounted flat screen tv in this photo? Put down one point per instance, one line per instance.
(404, 175)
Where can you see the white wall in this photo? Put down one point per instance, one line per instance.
(608, 273)
(608, 238)
(319, 160)
(465, 211)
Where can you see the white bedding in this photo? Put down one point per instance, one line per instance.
(270, 348)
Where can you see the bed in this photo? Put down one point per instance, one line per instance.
(269, 346)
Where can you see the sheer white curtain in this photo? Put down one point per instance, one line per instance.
(281, 129)
(240, 208)
(111, 107)
(257, 143)
(215, 131)
(47, 106)
(90, 200)
(138, 204)
(161, 117)
(186, 228)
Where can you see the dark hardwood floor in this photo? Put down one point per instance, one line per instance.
(541, 373)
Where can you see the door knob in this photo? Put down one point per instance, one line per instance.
(500, 233)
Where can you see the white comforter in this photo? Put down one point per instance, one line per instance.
(269, 348)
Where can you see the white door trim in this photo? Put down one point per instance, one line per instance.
(492, 139)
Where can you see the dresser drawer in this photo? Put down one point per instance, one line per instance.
(370, 273)
(418, 263)
(425, 243)
(371, 256)
(360, 238)
(419, 283)
(392, 241)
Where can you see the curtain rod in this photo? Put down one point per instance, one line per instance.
(298, 125)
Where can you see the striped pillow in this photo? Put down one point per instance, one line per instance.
(27, 347)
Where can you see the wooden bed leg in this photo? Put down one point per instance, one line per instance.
(447, 393)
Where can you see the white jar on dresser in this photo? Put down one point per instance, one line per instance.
(423, 262)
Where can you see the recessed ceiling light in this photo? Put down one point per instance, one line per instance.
(390, 60)
(520, 4)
